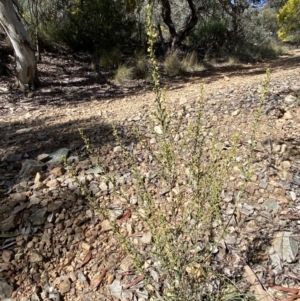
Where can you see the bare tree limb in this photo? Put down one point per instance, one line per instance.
(189, 24)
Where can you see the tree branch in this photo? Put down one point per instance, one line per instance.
(166, 15)
(189, 24)
(190, 21)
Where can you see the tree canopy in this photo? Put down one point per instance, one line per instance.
(289, 20)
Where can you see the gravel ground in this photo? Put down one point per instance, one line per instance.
(53, 245)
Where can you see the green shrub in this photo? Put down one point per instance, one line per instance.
(288, 19)
(82, 25)
(180, 207)
(211, 35)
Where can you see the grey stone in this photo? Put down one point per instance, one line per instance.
(265, 214)
(14, 157)
(272, 205)
(56, 157)
(263, 184)
(34, 200)
(31, 167)
(120, 180)
(290, 98)
(246, 209)
(94, 170)
(117, 149)
(55, 207)
(39, 217)
(52, 183)
(146, 238)
(82, 180)
(43, 157)
(73, 159)
(293, 195)
(230, 240)
(19, 197)
(7, 255)
(295, 88)
(35, 297)
(296, 180)
(9, 223)
(82, 278)
(94, 189)
(116, 289)
(5, 289)
(103, 186)
(286, 245)
(35, 257)
(19, 208)
(158, 130)
(83, 164)
(22, 186)
(275, 259)
(118, 292)
(116, 212)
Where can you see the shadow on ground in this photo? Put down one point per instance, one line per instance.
(243, 70)
(28, 140)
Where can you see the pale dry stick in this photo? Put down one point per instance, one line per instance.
(259, 293)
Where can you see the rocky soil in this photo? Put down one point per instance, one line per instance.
(54, 246)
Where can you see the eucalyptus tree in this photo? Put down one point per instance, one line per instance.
(26, 67)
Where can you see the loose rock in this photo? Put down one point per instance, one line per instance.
(39, 217)
(64, 286)
(9, 223)
(6, 290)
(31, 167)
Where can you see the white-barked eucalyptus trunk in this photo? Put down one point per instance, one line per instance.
(24, 54)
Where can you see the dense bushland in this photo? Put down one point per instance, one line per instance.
(113, 32)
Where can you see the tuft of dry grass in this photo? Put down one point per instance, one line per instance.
(191, 63)
(172, 64)
(123, 74)
(141, 64)
(109, 59)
